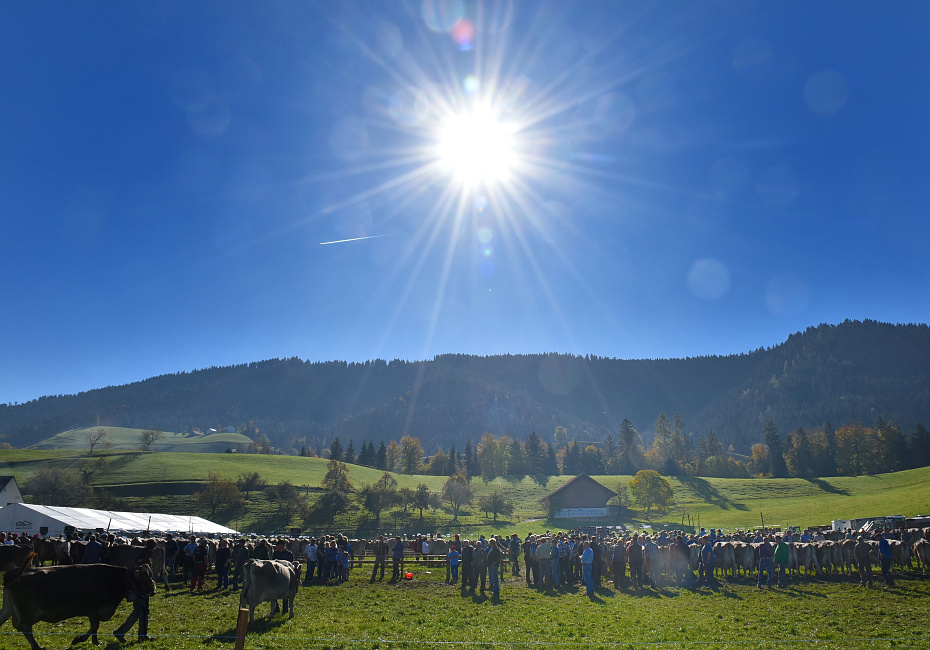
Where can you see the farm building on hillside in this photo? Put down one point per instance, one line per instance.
(580, 498)
(29, 519)
(9, 491)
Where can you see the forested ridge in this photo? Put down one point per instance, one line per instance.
(854, 372)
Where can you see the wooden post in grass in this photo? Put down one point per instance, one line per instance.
(242, 626)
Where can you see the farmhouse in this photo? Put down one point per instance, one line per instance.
(9, 491)
(30, 519)
(580, 498)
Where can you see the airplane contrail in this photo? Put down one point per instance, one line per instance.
(342, 241)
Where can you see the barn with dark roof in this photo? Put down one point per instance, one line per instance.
(580, 498)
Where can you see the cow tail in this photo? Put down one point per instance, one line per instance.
(13, 575)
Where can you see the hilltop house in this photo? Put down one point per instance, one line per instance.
(580, 498)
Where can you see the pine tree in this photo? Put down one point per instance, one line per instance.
(453, 461)
(381, 460)
(659, 452)
(630, 447)
(919, 446)
(535, 455)
(516, 466)
(829, 434)
(571, 464)
(350, 453)
(776, 454)
(611, 455)
(336, 451)
(551, 464)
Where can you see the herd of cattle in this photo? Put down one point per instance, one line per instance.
(739, 556)
(67, 589)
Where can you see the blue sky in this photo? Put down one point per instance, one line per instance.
(684, 179)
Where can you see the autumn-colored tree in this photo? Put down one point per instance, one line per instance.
(651, 491)
(411, 455)
(493, 455)
(439, 464)
(856, 450)
(560, 437)
(56, 486)
(423, 498)
(250, 482)
(392, 457)
(496, 504)
(457, 492)
(380, 496)
(219, 494)
(758, 464)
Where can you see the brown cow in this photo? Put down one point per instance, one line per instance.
(359, 547)
(53, 594)
(263, 550)
(268, 580)
(900, 554)
(725, 559)
(921, 550)
(12, 557)
(807, 558)
(824, 554)
(125, 555)
(743, 558)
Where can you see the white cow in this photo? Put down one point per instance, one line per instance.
(268, 580)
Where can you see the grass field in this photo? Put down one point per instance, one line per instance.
(425, 612)
(120, 438)
(165, 482)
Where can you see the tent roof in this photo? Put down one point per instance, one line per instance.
(88, 519)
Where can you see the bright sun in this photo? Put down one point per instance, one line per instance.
(476, 147)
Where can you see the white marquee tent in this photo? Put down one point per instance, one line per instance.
(29, 519)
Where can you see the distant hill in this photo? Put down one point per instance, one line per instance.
(855, 371)
(121, 438)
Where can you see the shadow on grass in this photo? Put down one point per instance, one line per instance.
(797, 592)
(117, 462)
(826, 487)
(704, 490)
(257, 627)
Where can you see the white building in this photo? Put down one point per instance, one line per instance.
(30, 519)
(9, 491)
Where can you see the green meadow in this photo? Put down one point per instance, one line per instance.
(425, 612)
(165, 482)
(827, 612)
(120, 438)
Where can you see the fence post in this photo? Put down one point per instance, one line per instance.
(242, 626)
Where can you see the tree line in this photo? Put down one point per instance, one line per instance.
(841, 373)
(851, 450)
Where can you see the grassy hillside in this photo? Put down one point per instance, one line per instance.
(731, 503)
(165, 482)
(121, 438)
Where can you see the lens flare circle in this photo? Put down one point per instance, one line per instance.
(476, 147)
